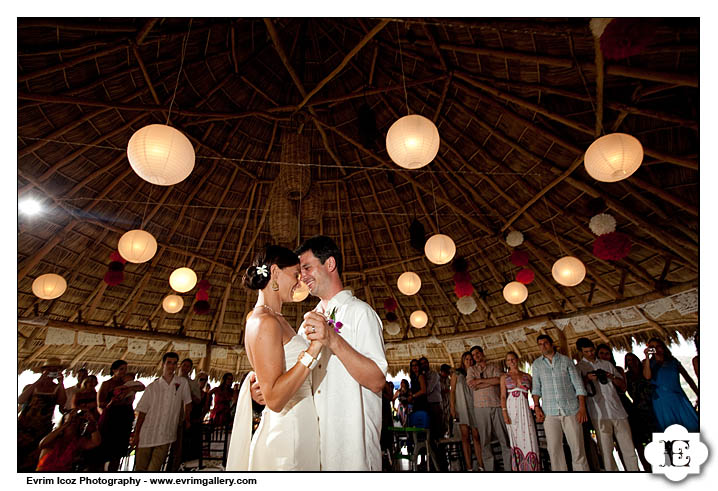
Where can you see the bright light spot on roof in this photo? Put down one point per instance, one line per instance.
(29, 206)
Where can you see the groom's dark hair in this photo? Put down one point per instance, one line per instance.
(323, 248)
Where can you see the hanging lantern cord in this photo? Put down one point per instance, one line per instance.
(184, 49)
(401, 61)
(436, 209)
(553, 226)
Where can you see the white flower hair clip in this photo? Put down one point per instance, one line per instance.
(262, 270)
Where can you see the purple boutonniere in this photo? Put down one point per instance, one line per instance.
(337, 325)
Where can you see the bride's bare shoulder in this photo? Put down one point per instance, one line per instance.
(261, 324)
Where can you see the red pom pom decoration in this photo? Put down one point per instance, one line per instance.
(390, 305)
(391, 317)
(114, 278)
(462, 277)
(525, 276)
(202, 295)
(612, 246)
(116, 258)
(116, 266)
(203, 285)
(460, 265)
(201, 307)
(519, 258)
(463, 289)
(624, 37)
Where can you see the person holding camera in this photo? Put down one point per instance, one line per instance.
(76, 433)
(38, 402)
(605, 409)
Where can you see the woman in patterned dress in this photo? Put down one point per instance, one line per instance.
(515, 386)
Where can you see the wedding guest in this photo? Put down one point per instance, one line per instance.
(461, 404)
(402, 394)
(607, 414)
(515, 387)
(116, 416)
(179, 451)
(70, 391)
(436, 415)
(38, 402)
(417, 398)
(222, 396)
(640, 417)
(559, 388)
(670, 403)
(76, 433)
(164, 403)
(485, 380)
(445, 377)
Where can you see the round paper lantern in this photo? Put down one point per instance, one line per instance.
(603, 223)
(300, 292)
(49, 286)
(137, 246)
(613, 157)
(440, 249)
(466, 305)
(418, 319)
(392, 328)
(525, 276)
(412, 141)
(160, 154)
(568, 271)
(409, 283)
(515, 238)
(172, 304)
(515, 292)
(183, 280)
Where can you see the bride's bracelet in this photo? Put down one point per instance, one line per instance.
(307, 360)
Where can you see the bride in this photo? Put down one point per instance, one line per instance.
(288, 435)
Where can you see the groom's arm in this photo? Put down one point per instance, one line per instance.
(362, 368)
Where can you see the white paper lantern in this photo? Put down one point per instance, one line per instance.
(418, 319)
(49, 286)
(613, 157)
(172, 304)
(161, 154)
(412, 141)
(515, 292)
(466, 305)
(137, 246)
(568, 271)
(602, 223)
(440, 249)
(515, 238)
(300, 292)
(392, 328)
(183, 280)
(409, 283)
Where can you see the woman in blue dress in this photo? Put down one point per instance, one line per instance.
(670, 403)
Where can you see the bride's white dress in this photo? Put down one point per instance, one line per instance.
(284, 441)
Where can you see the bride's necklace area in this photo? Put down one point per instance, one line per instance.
(270, 309)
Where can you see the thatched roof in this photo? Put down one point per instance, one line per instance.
(516, 102)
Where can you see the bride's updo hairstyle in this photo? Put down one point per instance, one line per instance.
(258, 274)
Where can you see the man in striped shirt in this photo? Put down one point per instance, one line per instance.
(557, 382)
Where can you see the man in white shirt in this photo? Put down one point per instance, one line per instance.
(351, 372)
(158, 414)
(607, 414)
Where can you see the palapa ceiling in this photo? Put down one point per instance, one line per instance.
(516, 103)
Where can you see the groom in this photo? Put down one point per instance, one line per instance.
(351, 368)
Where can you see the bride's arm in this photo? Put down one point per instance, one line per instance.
(264, 341)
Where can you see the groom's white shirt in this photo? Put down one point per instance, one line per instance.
(349, 414)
